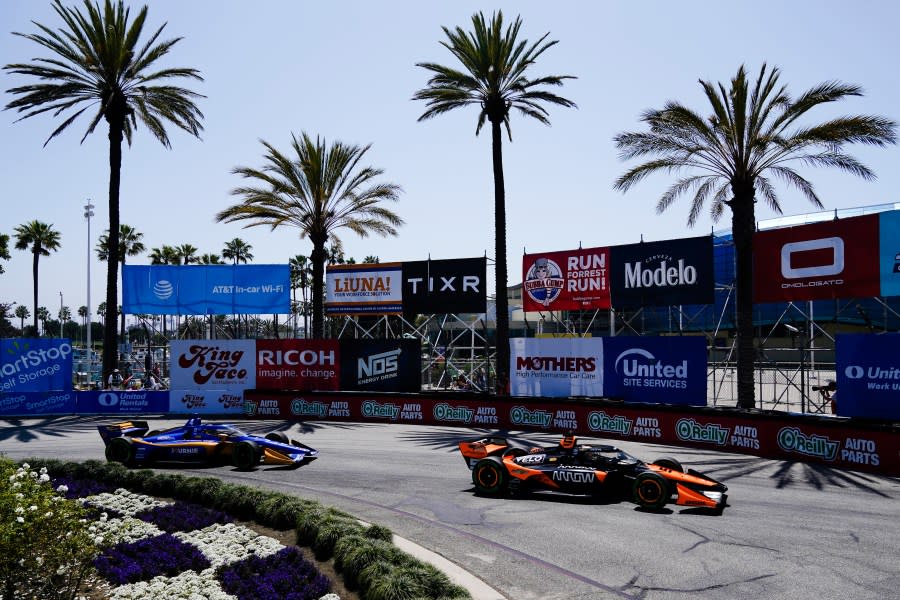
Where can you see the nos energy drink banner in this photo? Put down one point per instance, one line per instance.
(662, 370)
(35, 365)
(206, 289)
(868, 375)
(381, 365)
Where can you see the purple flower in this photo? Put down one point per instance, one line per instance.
(145, 559)
(183, 516)
(285, 575)
(80, 488)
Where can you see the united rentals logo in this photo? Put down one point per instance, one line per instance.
(600, 421)
(640, 368)
(791, 439)
(378, 367)
(689, 430)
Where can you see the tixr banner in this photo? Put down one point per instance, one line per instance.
(374, 289)
(444, 286)
(567, 280)
(35, 365)
(206, 289)
(868, 375)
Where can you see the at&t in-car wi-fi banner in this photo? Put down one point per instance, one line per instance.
(35, 365)
(662, 370)
(868, 375)
(381, 365)
(206, 289)
(889, 233)
(298, 364)
(444, 286)
(663, 273)
(375, 289)
(556, 367)
(567, 280)
(831, 259)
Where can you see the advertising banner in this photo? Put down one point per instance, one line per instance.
(217, 365)
(889, 234)
(381, 365)
(660, 370)
(206, 289)
(23, 404)
(868, 375)
(567, 280)
(35, 365)
(556, 367)
(122, 402)
(831, 259)
(206, 402)
(663, 273)
(298, 364)
(445, 286)
(375, 289)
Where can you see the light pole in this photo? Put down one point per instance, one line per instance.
(88, 213)
(60, 315)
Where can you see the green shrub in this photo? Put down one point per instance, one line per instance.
(332, 529)
(379, 532)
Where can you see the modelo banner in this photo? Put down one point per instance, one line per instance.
(663, 273)
(24, 404)
(659, 370)
(298, 364)
(868, 375)
(364, 289)
(206, 289)
(567, 280)
(381, 365)
(122, 402)
(831, 259)
(35, 365)
(556, 367)
(214, 365)
(444, 286)
(206, 402)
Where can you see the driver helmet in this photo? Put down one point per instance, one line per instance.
(568, 441)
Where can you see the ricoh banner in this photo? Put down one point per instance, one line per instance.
(663, 273)
(868, 375)
(298, 364)
(670, 370)
(567, 280)
(364, 289)
(206, 289)
(35, 365)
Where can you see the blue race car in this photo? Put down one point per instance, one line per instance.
(132, 442)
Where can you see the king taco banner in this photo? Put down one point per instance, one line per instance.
(567, 280)
(35, 365)
(201, 365)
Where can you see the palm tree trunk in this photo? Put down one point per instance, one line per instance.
(110, 343)
(318, 260)
(502, 302)
(743, 225)
(34, 276)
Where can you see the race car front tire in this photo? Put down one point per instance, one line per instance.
(669, 463)
(651, 490)
(245, 455)
(120, 450)
(490, 476)
(278, 436)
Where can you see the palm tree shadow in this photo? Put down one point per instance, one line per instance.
(54, 427)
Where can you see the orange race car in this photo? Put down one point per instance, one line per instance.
(499, 467)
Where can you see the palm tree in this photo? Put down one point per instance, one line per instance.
(97, 63)
(238, 251)
(83, 313)
(166, 255)
(494, 80)
(65, 315)
(42, 315)
(22, 314)
(187, 253)
(43, 239)
(322, 189)
(300, 275)
(130, 244)
(4, 249)
(751, 137)
(209, 259)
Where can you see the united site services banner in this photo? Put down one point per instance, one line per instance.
(567, 280)
(35, 365)
(868, 375)
(206, 289)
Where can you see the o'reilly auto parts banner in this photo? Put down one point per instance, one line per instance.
(556, 367)
(381, 365)
(567, 280)
(206, 289)
(868, 375)
(364, 289)
(35, 365)
(832, 259)
(445, 286)
(298, 364)
(661, 370)
(663, 273)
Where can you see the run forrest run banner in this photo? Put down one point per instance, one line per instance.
(206, 289)
(660, 370)
(35, 365)
(567, 280)
(843, 258)
(868, 375)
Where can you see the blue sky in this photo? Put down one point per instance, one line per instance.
(346, 70)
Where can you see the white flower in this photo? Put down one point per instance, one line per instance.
(44, 478)
(33, 507)
(20, 519)
(19, 510)
(25, 467)
(62, 489)
(43, 470)
(19, 496)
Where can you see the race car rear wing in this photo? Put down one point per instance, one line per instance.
(126, 428)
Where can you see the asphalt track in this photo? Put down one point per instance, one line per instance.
(791, 530)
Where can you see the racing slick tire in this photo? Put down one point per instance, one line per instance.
(669, 463)
(490, 477)
(120, 450)
(278, 436)
(245, 455)
(650, 490)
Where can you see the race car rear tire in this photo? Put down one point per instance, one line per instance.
(650, 490)
(490, 476)
(669, 463)
(245, 455)
(120, 450)
(514, 452)
(278, 436)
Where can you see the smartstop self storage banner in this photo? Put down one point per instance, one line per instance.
(35, 365)
(37, 403)
(868, 375)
